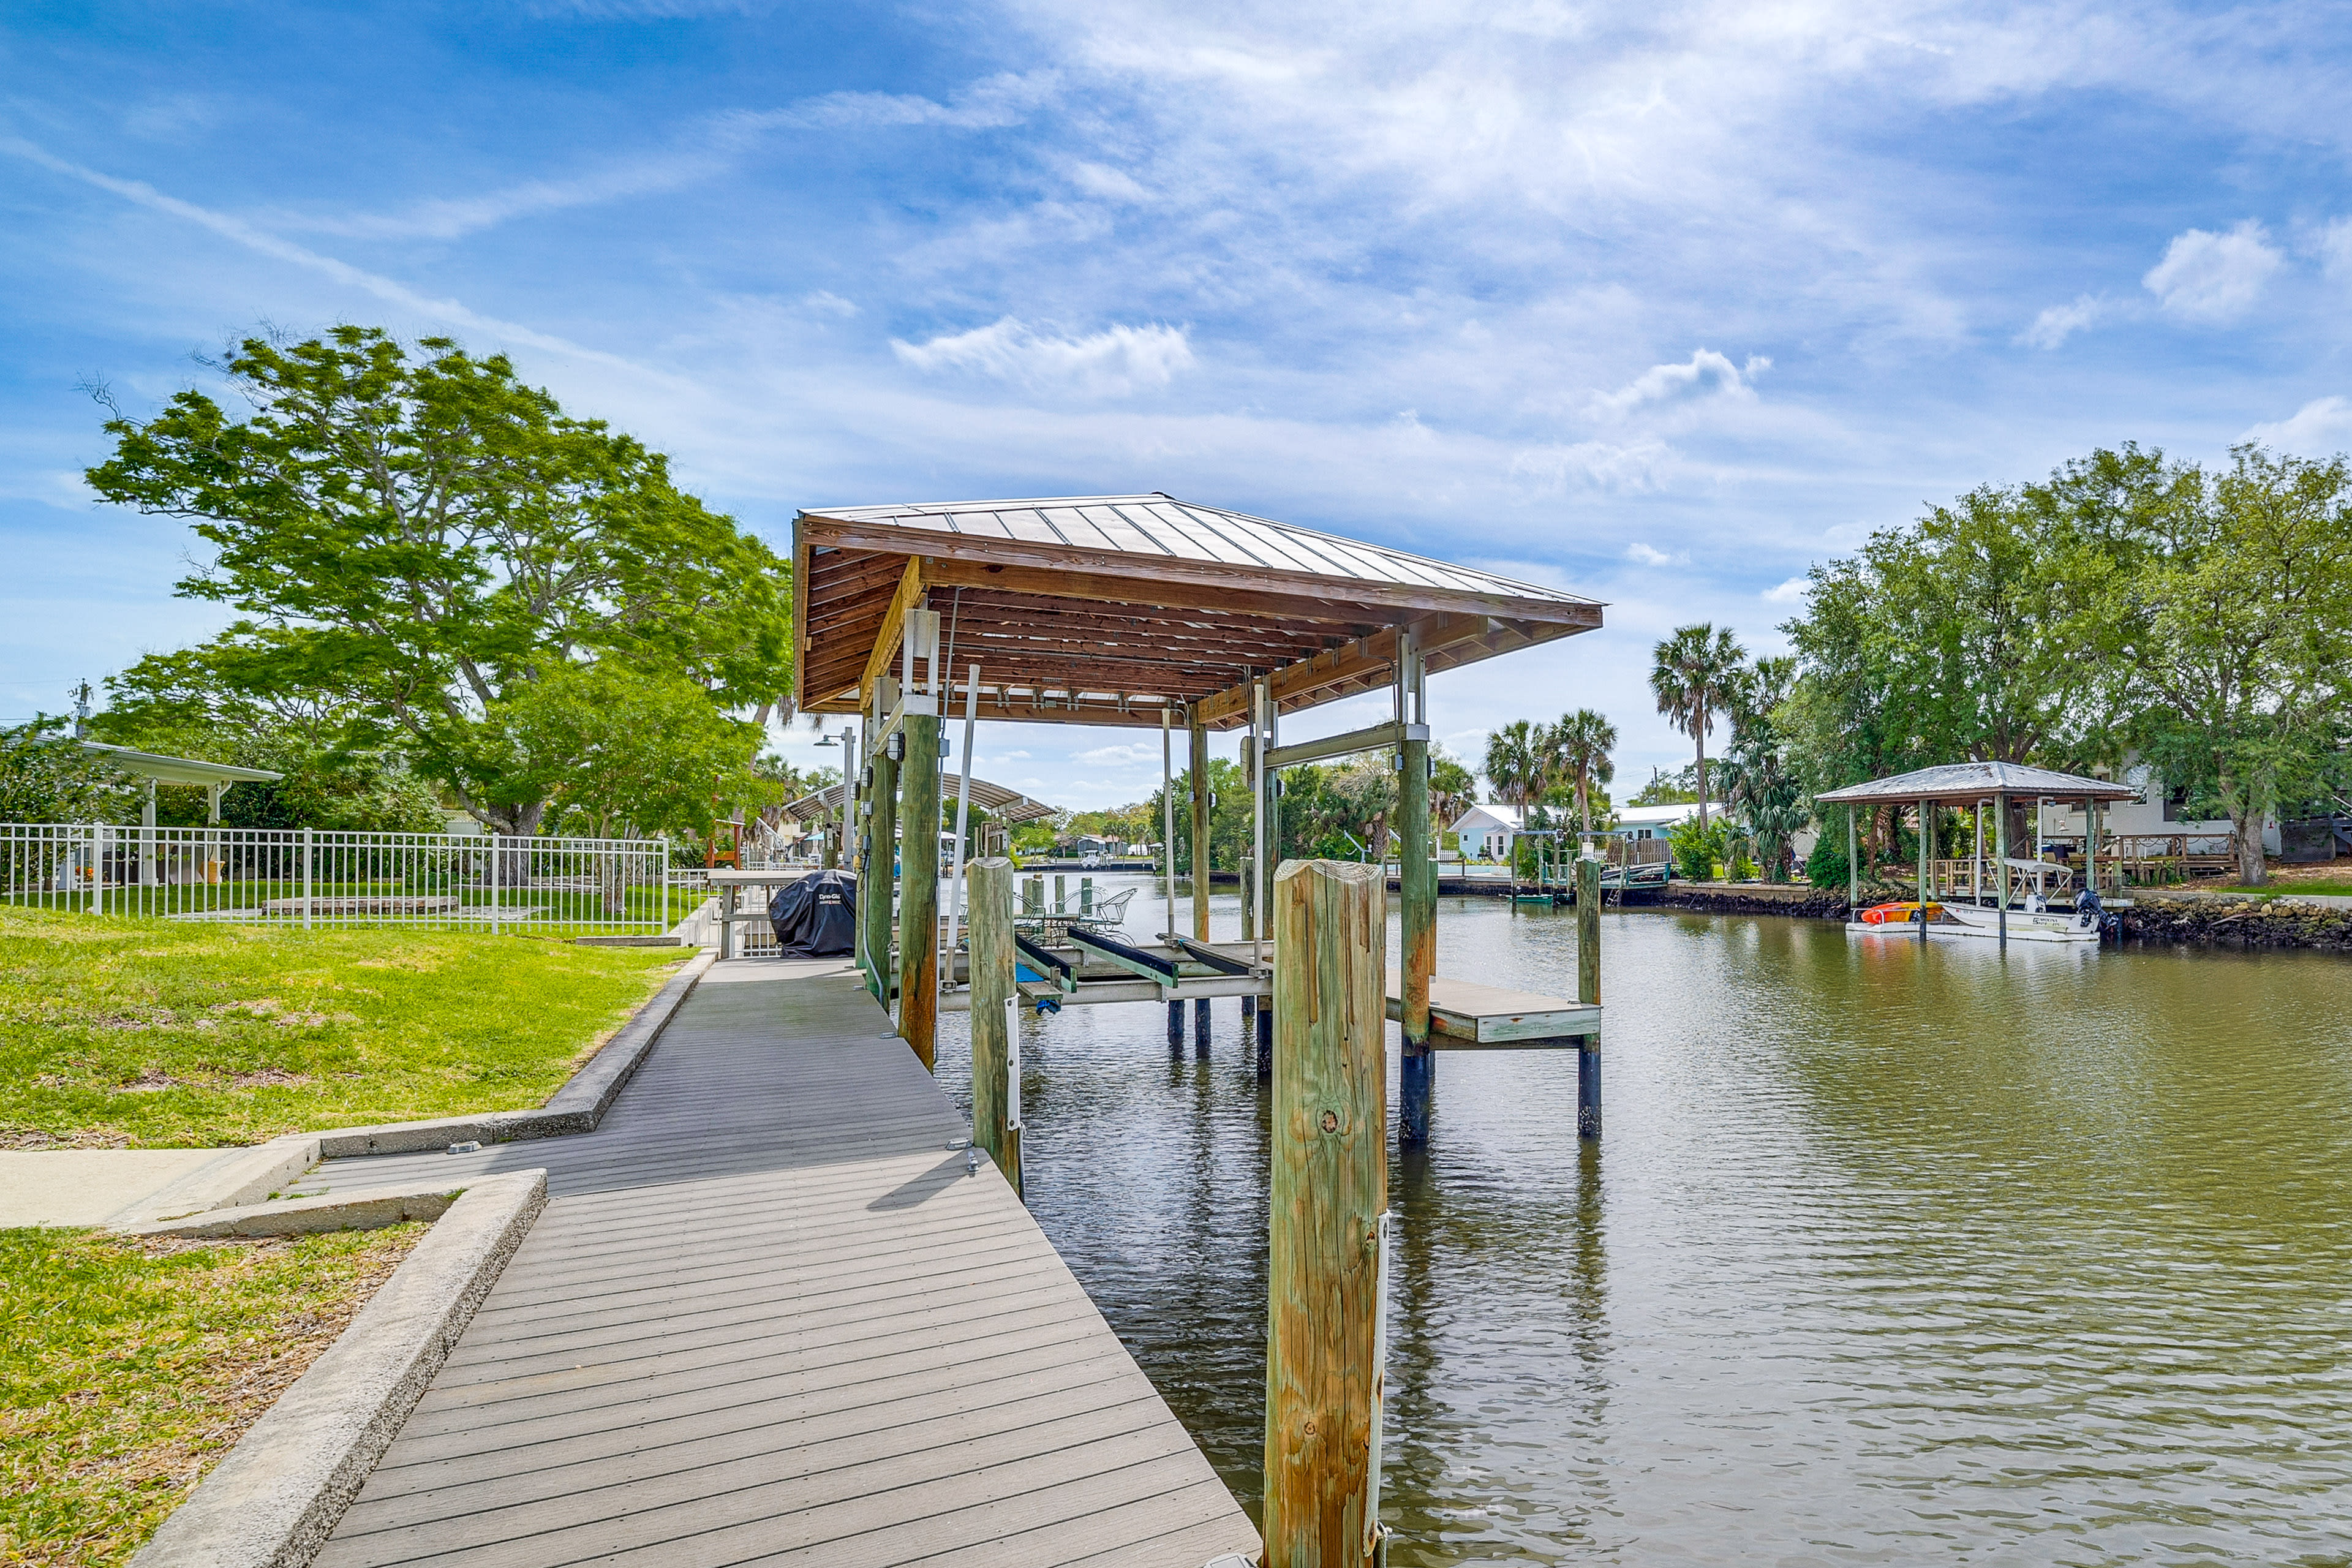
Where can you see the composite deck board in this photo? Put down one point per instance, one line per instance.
(769, 1316)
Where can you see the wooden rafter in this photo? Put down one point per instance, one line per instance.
(894, 627)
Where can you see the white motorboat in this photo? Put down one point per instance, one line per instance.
(2036, 921)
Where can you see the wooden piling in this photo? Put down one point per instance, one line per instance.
(1175, 1028)
(1199, 830)
(1588, 989)
(1417, 891)
(881, 890)
(1328, 1193)
(918, 897)
(1201, 1025)
(995, 1014)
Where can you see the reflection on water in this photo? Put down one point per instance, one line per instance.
(1888, 1253)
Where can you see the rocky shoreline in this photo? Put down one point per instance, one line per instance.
(2182, 919)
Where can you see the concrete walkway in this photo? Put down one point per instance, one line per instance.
(89, 1186)
(769, 1317)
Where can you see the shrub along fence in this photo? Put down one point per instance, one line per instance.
(310, 877)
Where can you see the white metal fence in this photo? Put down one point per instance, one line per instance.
(308, 877)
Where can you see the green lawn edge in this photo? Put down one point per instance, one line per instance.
(172, 1033)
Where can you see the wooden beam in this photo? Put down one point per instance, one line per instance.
(1369, 658)
(894, 625)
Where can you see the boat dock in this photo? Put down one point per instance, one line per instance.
(772, 1312)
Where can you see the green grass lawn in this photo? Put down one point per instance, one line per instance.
(164, 1033)
(129, 1368)
(2283, 888)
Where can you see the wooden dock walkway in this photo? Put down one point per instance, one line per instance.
(768, 1317)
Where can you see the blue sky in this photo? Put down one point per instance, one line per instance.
(1660, 302)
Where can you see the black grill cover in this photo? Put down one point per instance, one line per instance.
(816, 917)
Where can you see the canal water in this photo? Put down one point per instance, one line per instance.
(1887, 1255)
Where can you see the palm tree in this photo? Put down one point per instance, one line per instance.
(1577, 749)
(1515, 764)
(1695, 674)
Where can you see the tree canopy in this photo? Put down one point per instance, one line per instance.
(422, 538)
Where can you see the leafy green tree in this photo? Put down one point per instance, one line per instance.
(426, 538)
(1578, 749)
(1695, 674)
(1229, 816)
(181, 704)
(1697, 847)
(622, 754)
(2241, 630)
(44, 777)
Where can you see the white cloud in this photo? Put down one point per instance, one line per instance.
(1650, 555)
(1787, 593)
(1599, 465)
(2214, 278)
(989, 104)
(1122, 756)
(1707, 374)
(2055, 324)
(1111, 363)
(2336, 249)
(2321, 427)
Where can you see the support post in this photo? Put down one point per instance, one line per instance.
(1249, 872)
(1417, 892)
(1852, 867)
(1328, 1193)
(995, 1016)
(879, 909)
(1175, 1028)
(1926, 864)
(1199, 830)
(2000, 864)
(2091, 846)
(310, 845)
(147, 878)
(963, 855)
(919, 895)
(1587, 990)
(1200, 1025)
(1168, 816)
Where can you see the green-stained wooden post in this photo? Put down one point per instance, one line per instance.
(1853, 868)
(995, 1014)
(1587, 990)
(1201, 866)
(918, 899)
(1328, 1193)
(882, 823)
(1199, 782)
(1927, 863)
(2000, 864)
(1417, 895)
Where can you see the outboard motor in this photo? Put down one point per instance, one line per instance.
(2089, 915)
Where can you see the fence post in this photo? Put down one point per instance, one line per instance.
(1328, 1193)
(995, 1014)
(307, 835)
